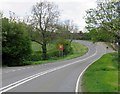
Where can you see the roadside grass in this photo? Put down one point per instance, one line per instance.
(102, 76)
(78, 50)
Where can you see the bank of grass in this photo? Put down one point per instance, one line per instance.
(78, 50)
(102, 76)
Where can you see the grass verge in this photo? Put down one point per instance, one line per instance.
(78, 50)
(102, 76)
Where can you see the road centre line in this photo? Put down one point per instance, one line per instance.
(15, 84)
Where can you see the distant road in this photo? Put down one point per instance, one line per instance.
(61, 76)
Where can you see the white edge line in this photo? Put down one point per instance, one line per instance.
(40, 74)
(78, 80)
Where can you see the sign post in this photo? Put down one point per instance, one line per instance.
(61, 48)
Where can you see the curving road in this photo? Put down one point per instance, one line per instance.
(61, 76)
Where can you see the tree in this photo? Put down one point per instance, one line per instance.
(67, 29)
(118, 35)
(16, 47)
(71, 29)
(103, 18)
(45, 16)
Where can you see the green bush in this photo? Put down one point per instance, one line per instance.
(53, 54)
(16, 44)
(36, 57)
(67, 46)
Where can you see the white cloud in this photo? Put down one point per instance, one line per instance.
(71, 9)
(75, 10)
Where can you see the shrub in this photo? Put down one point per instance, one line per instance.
(53, 54)
(35, 57)
(16, 43)
(66, 44)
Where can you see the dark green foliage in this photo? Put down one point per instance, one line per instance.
(36, 57)
(16, 44)
(86, 36)
(54, 54)
(101, 35)
(102, 21)
(119, 55)
(67, 48)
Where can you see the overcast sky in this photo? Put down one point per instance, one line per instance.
(70, 9)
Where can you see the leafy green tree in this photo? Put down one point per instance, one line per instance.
(103, 19)
(16, 44)
(118, 34)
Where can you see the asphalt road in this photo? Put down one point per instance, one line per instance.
(61, 76)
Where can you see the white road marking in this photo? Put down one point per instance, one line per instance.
(13, 85)
(78, 80)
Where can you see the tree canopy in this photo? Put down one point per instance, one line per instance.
(103, 18)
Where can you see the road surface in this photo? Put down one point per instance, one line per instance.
(61, 76)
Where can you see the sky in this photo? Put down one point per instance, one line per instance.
(73, 10)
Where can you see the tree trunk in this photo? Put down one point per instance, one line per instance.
(44, 51)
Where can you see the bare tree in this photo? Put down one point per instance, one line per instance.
(71, 28)
(45, 16)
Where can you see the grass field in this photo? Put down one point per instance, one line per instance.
(102, 76)
(37, 47)
(78, 50)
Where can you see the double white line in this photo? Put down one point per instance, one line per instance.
(13, 85)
